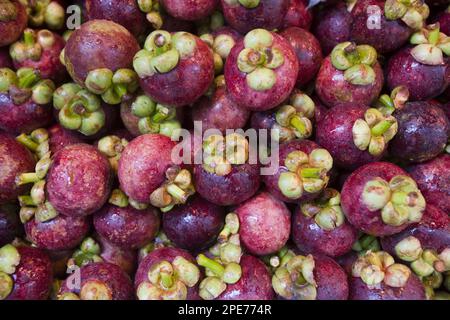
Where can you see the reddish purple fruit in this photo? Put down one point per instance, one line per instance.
(423, 131)
(99, 281)
(60, 233)
(264, 224)
(220, 112)
(5, 58)
(169, 274)
(127, 227)
(27, 273)
(125, 13)
(310, 278)
(319, 227)
(189, 10)
(79, 180)
(308, 52)
(380, 199)
(247, 15)
(342, 80)
(13, 20)
(15, 159)
(376, 276)
(298, 15)
(261, 70)
(254, 283)
(194, 226)
(174, 69)
(40, 50)
(348, 132)
(125, 259)
(60, 138)
(303, 172)
(10, 226)
(433, 179)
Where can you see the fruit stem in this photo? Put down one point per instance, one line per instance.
(433, 36)
(27, 79)
(387, 102)
(311, 172)
(166, 280)
(381, 127)
(176, 192)
(210, 264)
(28, 177)
(299, 125)
(28, 37)
(27, 142)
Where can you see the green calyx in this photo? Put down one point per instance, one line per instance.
(222, 45)
(305, 173)
(112, 147)
(118, 198)
(152, 10)
(154, 118)
(399, 200)
(47, 12)
(6, 285)
(294, 278)
(220, 154)
(32, 45)
(365, 243)
(26, 84)
(412, 13)
(294, 121)
(8, 11)
(356, 62)
(162, 52)
(169, 281)
(177, 188)
(374, 131)
(9, 259)
(259, 59)
(431, 45)
(79, 109)
(160, 241)
(325, 210)
(37, 142)
(376, 267)
(88, 252)
(222, 267)
(112, 86)
(387, 104)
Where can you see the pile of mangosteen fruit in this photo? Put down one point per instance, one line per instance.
(103, 195)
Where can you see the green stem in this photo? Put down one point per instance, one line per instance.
(120, 89)
(299, 125)
(26, 201)
(311, 172)
(28, 177)
(176, 192)
(28, 79)
(166, 280)
(381, 127)
(387, 102)
(28, 37)
(210, 264)
(433, 36)
(27, 142)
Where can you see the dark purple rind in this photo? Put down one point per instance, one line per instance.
(331, 279)
(12, 30)
(10, 225)
(189, 10)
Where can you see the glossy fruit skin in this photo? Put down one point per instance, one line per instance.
(174, 25)
(311, 238)
(24, 117)
(271, 181)
(109, 274)
(298, 15)
(124, 258)
(127, 228)
(423, 131)
(255, 282)
(413, 290)
(185, 83)
(332, 26)
(125, 13)
(143, 164)
(237, 186)
(49, 64)
(333, 89)
(79, 180)
(424, 82)
(5, 58)
(10, 225)
(164, 254)
(356, 211)
(11, 30)
(14, 160)
(98, 44)
(308, 52)
(60, 138)
(33, 276)
(189, 10)
(433, 179)
(433, 232)
(265, 224)
(60, 233)
(268, 14)
(334, 133)
(388, 37)
(331, 279)
(444, 22)
(194, 226)
(254, 100)
(220, 112)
